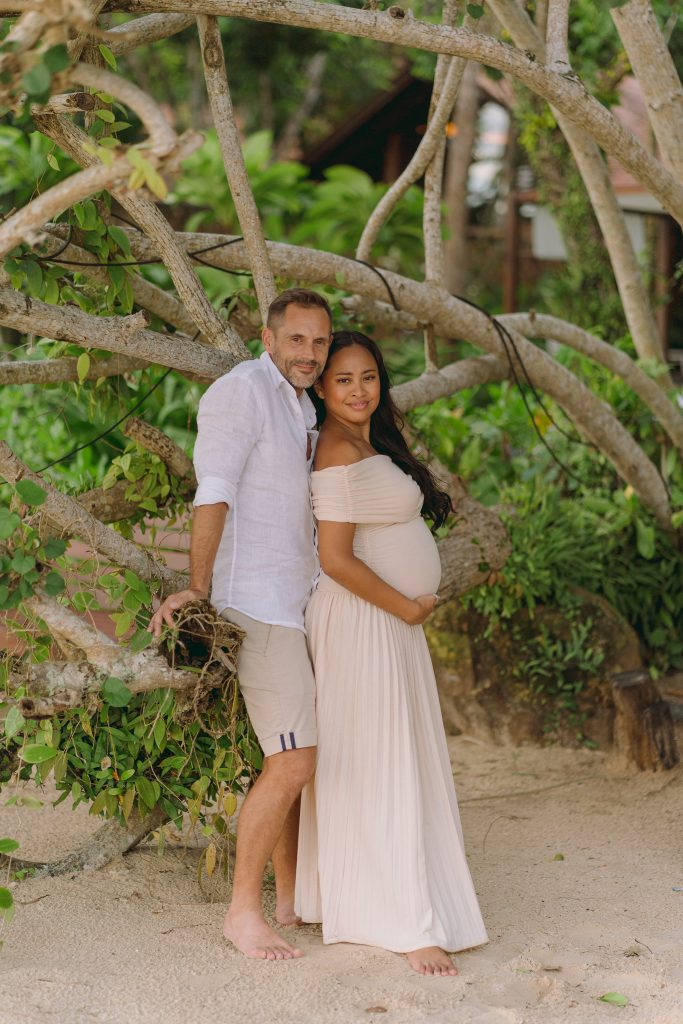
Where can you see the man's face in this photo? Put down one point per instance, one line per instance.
(298, 344)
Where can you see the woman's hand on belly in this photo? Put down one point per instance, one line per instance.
(424, 606)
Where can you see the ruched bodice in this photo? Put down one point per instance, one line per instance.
(391, 535)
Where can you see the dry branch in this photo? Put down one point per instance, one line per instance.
(125, 335)
(595, 175)
(143, 31)
(218, 90)
(72, 140)
(568, 96)
(453, 318)
(654, 67)
(66, 516)
(55, 371)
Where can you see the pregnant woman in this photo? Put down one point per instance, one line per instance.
(381, 856)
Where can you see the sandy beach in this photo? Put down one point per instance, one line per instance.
(139, 943)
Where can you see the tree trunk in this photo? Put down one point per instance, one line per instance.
(643, 727)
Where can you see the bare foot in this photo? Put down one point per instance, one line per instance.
(286, 916)
(253, 937)
(431, 960)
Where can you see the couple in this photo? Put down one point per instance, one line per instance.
(372, 847)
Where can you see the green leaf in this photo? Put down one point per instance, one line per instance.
(475, 11)
(30, 493)
(160, 734)
(36, 753)
(82, 366)
(147, 792)
(14, 722)
(8, 845)
(54, 584)
(57, 58)
(52, 161)
(4, 595)
(37, 80)
(120, 237)
(22, 563)
(34, 275)
(116, 693)
(54, 547)
(8, 523)
(6, 899)
(645, 539)
(108, 55)
(99, 803)
(615, 998)
(104, 115)
(156, 183)
(140, 641)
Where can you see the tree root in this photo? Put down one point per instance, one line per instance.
(110, 841)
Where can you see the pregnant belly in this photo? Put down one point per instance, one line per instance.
(403, 554)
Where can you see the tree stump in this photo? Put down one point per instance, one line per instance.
(643, 727)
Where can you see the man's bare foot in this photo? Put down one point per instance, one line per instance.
(249, 933)
(285, 915)
(431, 960)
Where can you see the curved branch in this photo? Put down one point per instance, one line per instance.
(654, 67)
(71, 139)
(162, 137)
(57, 371)
(466, 373)
(69, 517)
(557, 29)
(124, 335)
(395, 26)
(142, 31)
(22, 226)
(610, 217)
(453, 318)
(599, 351)
(421, 159)
(158, 443)
(218, 91)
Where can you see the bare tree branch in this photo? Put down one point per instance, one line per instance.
(72, 140)
(595, 175)
(124, 335)
(394, 26)
(218, 90)
(143, 31)
(419, 162)
(158, 443)
(57, 371)
(654, 67)
(70, 518)
(557, 29)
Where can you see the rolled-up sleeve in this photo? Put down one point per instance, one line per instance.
(229, 424)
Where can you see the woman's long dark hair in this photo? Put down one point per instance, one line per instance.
(385, 430)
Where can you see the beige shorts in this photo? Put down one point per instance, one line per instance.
(277, 683)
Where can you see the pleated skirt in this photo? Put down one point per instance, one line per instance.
(381, 858)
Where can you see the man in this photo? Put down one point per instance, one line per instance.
(252, 531)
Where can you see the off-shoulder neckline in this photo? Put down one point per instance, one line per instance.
(350, 465)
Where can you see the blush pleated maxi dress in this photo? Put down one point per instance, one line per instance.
(381, 858)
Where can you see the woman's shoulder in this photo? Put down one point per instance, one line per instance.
(337, 452)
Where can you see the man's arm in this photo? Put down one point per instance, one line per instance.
(207, 529)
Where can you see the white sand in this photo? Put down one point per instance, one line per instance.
(137, 942)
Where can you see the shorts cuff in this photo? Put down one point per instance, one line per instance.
(288, 741)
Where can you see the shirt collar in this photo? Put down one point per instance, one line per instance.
(277, 380)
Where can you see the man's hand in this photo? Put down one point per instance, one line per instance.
(423, 607)
(173, 602)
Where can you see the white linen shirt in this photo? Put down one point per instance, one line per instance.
(250, 452)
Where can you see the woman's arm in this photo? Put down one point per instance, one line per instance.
(337, 560)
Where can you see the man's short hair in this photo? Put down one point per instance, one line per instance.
(295, 297)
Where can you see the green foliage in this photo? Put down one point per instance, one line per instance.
(327, 215)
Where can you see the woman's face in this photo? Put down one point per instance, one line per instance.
(350, 385)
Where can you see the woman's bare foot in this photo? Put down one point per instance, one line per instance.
(249, 933)
(285, 915)
(431, 960)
